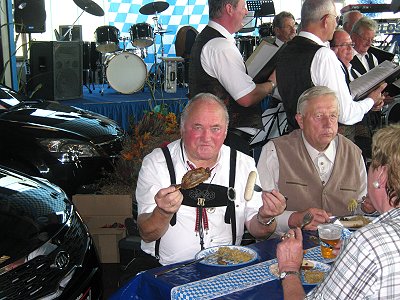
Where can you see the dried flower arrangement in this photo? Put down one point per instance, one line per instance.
(157, 128)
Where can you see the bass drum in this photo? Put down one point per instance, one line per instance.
(391, 113)
(126, 72)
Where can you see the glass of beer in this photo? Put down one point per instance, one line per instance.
(329, 236)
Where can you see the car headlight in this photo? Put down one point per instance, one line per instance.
(67, 150)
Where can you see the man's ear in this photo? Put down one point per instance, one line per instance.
(299, 119)
(229, 8)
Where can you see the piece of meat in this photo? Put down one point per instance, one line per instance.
(193, 178)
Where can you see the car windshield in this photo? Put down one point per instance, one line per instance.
(9, 98)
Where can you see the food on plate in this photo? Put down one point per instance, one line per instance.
(354, 221)
(352, 205)
(312, 272)
(193, 178)
(235, 256)
(307, 265)
(313, 276)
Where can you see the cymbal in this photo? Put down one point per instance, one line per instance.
(153, 7)
(162, 31)
(247, 29)
(90, 7)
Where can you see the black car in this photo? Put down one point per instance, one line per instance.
(68, 146)
(46, 251)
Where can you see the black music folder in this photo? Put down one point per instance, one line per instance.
(262, 62)
(385, 72)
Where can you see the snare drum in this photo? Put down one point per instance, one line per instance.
(107, 39)
(391, 113)
(141, 35)
(126, 72)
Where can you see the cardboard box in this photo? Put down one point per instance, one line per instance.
(98, 211)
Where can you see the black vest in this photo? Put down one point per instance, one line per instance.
(293, 74)
(201, 82)
(357, 65)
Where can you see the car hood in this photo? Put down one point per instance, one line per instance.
(60, 117)
(31, 211)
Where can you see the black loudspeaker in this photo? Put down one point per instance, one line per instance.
(56, 70)
(30, 16)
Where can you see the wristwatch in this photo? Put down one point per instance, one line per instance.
(269, 222)
(287, 273)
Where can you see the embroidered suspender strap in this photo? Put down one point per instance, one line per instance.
(230, 216)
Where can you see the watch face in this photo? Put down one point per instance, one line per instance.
(284, 274)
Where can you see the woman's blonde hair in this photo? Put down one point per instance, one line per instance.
(386, 152)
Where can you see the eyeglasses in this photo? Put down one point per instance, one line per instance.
(337, 18)
(369, 41)
(345, 45)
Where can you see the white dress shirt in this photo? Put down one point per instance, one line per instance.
(181, 242)
(326, 71)
(221, 59)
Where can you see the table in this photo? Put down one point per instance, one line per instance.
(146, 286)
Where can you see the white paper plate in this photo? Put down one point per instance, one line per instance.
(213, 259)
(318, 266)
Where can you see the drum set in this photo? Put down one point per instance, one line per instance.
(124, 69)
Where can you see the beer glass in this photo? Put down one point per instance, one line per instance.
(329, 236)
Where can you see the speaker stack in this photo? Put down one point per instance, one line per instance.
(56, 70)
(30, 16)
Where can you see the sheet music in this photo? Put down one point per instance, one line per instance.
(363, 85)
(260, 57)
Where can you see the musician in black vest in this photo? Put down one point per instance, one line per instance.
(363, 34)
(307, 61)
(217, 67)
(342, 45)
(284, 27)
(175, 223)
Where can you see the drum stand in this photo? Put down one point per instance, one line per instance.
(103, 74)
(157, 67)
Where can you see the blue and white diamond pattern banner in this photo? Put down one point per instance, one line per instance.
(124, 15)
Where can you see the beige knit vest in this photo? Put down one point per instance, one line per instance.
(300, 182)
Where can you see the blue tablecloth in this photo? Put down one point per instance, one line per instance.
(185, 283)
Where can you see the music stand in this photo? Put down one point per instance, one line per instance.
(274, 125)
(262, 8)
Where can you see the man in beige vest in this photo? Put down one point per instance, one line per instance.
(318, 169)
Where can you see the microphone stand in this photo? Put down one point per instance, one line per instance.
(69, 31)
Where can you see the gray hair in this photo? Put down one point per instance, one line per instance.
(313, 10)
(332, 42)
(311, 93)
(364, 23)
(215, 7)
(280, 18)
(203, 97)
(348, 14)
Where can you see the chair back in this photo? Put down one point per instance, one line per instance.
(184, 41)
